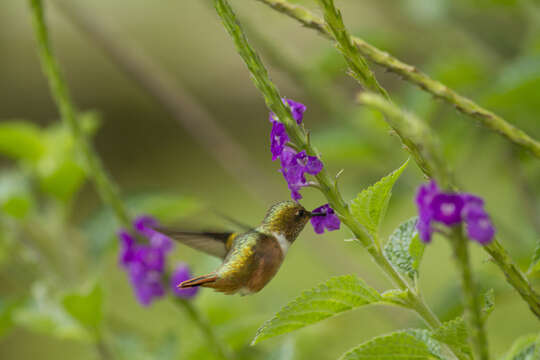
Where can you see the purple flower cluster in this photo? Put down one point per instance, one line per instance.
(451, 209)
(294, 165)
(145, 263)
(328, 219)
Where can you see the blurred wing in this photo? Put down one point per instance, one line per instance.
(212, 243)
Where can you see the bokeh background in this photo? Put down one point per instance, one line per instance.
(488, 50)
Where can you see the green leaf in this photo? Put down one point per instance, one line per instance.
(86, 308)
(21, 140)
(396, 297)
(398, 345)
(454, 332)
(43, 315)
(63, 179)
(16, 198)
(60, 170)
(335, 296)
(369, 207)
(425, 336)
(7, 308)
(525, 348)
(404, 249)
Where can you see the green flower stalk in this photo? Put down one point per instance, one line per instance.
(419, 133)
(300, 138)
(68, 113)
(473, 314)
(102, 181)
(410, 73)
(418, 140)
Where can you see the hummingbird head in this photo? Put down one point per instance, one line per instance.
(287, 218)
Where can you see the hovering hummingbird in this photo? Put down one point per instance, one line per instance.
(250, 259)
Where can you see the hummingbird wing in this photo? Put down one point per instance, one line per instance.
(210, 242)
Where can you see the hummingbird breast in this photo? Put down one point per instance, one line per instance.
(251, 263)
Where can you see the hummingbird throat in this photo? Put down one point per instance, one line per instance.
(283, 242)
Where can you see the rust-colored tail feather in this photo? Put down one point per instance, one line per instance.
(198, 281)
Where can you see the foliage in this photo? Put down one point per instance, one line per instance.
(404, 249)
(335, 296)
(369, 207)
(58, 247)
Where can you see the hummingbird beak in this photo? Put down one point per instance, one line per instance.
(312, 214)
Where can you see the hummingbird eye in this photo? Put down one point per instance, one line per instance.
(300, 213)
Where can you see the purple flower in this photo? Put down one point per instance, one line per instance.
(127, 250)
(297, 110)
(424, 229)
(478, 223)
(278, 139)
(278, 135)
(446, 208)
(423, 199)
(304, 163)
(145, 263)
(147, 284)
(181, 273)
(294, 166)
(451, 209)
(324, 217)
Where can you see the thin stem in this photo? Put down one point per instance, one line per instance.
(473, 314)
(418, 133)
(102, 181)
(415, 76)
(177, 100)
(273, 100)
(514, 275)
(205, 328)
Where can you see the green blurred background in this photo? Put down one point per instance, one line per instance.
(489, 50)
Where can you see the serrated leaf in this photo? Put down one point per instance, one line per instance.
(86, 308)
(21, 140)
(425, 336)
(396, 296)
(369, 207)
(525, 348)
(333, 297)
(398, 345)
(404, 249)
(454, 332)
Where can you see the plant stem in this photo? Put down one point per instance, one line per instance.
(473, 315)
(514, 275)
(233, 157)
(415, 76)
(414, 134)
(327, 186)
(102, 181)
(418, 133)
(205, 328)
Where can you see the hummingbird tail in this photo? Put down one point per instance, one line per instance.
(198, 281)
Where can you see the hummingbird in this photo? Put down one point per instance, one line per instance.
(250, 259)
